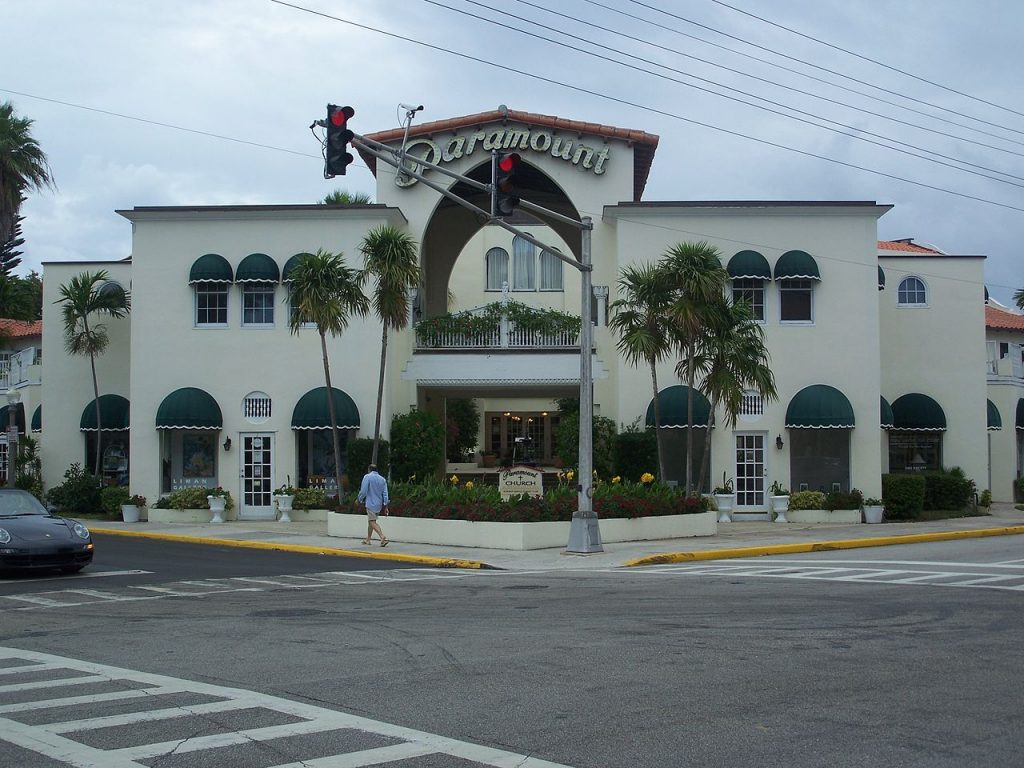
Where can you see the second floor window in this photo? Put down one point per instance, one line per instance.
(258, 304)
(912, 293)
(497, 268)
(524, 259)
(752, 292)
(211, 304)
(796, 301)
(550, 272)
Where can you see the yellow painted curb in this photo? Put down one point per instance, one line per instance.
(821, 546)
(436, 562)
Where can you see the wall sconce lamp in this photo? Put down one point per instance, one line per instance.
(227, 443)
(778, 442)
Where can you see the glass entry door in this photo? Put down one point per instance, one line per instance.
(257, 456)
(750, 474)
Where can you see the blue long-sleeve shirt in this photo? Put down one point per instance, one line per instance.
(373, 491)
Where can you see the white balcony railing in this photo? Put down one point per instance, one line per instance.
(489, 333)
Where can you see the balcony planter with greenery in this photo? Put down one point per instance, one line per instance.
(486, 323)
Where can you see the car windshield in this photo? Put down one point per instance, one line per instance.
(14, 503)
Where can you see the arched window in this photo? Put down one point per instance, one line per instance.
(550, 272)
(523, 265)
(497, 268)
(912, 293)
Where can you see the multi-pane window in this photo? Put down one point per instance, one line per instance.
(524, 258)
(796, 301)
(497, 268)
(550, 272)
(258, 304)
(912, 293)
(211, 303)
(256, 407)
(751, 291)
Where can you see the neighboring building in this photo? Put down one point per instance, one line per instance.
(20, 362)
(206, 386)
(1004, 344)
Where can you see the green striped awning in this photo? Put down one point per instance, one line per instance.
(796, 265)
(673, 405)
(886, 413)
(113, 414)
(749, 265)
(915, 412)
(311, 412)
(881, 279)
(257, 268)
(189, 408)
(37, 419)
(19, 417)
(290, 265)
(819, 406)
(995, 421)
(210, 268)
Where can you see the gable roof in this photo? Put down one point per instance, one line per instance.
(20, 329)
(998, 319)
(644, 144)
(907, 245)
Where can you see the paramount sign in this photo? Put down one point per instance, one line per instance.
(570, 150)
(520, 481)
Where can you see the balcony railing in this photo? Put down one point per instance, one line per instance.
(491, 328)
(14, 370)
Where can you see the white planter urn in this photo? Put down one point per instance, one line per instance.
(874, 513)
(217, 504)
(284, 507)
(130, 513)
(780, 506)
(725, 503)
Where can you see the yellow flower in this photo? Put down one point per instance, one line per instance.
(469, 485)
(570, 475)
(646, 478)
(616, 480)
(454, 479)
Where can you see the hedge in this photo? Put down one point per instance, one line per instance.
(903, 495)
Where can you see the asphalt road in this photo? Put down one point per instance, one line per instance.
(897, 656)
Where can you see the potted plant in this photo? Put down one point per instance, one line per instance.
(131, 510)
(285, 496)
(780, 502)
(725, 499)
(219, 499)
(874, 511)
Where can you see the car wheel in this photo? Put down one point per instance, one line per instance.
(71, 568)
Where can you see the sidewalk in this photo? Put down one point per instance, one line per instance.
(732, 540)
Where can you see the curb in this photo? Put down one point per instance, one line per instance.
(435, 562)
(821, 546)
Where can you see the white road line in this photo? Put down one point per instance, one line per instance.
(74, 701)
(21, 670)
(39, 684)
(59, 748)
(84, 575)
(365, 757)
(987, 580)
(146, 716)
(939, 564)
(37, 600)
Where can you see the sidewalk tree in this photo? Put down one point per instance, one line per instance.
(23, 166)
(84, 299)
(392, 260)
(326, 292)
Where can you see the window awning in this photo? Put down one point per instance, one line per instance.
(37, 419)
(796, 265)
(210, 268)
(311, 411)
(189, 408)
(915, 412)
(886, 413)
(290, 265)
(995, 421)
(819, 406)
(749, 265)
(19, 417)
(113, 414)
(673, 407)
(881, 279)
(257, 268)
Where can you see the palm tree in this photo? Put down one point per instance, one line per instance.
(326, 292)
(84, 297)
(697, 279)
(391, 257)
(1018, 298)
(735, 359)
(23, 166)
(344, 197)
(640, 316)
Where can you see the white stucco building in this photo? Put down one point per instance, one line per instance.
(205, 385)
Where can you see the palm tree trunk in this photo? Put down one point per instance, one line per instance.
(706, 458)
(380, 392)
(659, 439)
(334, 416)
(690, 376)
(96, 402)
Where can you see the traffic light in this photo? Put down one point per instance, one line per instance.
(504, 202)
(336, 154)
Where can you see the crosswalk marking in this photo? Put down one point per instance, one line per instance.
(58, 740)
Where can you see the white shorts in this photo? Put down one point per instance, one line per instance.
(372, 513)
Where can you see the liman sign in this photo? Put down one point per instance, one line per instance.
(570, 150)
(519, 481)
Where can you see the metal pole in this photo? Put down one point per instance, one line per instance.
(12, 440)
(584, 531)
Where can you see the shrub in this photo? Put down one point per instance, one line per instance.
(634, 452)
(111, 499)
(986, 498)
(78, 494)
(903, 495)
(603, 435)
(948, 489)
(842, 500)
(192, 498)
(310, 498)
(359, 452)
(417, 440)
(807, 500)
(462, 424)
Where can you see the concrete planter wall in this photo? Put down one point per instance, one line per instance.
(186, 515)
(823, 516)
(520, 536)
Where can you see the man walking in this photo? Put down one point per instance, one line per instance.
(373, 492)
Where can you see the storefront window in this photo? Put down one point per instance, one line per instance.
(819, 459)
(316, 458)
(114, 453)
(189, 459)
(915, 451)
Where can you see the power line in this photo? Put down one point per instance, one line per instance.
(868, 59)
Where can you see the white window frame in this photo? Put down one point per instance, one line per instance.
(902, 293)
(752, 285)
(794, 285)
(495, 253)
(524, 255)
(556, 270)
(208, 287)
(253, 288)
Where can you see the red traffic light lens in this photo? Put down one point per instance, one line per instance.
(339, 115)
(338, 118)
(508, 162)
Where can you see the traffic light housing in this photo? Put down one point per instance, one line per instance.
(504, 202)
(336, 154)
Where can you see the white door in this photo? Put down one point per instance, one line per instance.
(751, 500)
(257, 457)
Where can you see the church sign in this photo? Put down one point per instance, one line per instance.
(519, 481)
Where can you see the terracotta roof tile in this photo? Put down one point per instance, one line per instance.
(905, 245)
(1003, 320)
(644, 143)
(18, 329)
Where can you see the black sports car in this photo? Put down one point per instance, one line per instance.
(31, 537)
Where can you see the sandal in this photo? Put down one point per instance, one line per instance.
(385, 542)
(366, 542)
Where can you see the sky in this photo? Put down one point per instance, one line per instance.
(209, 102)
